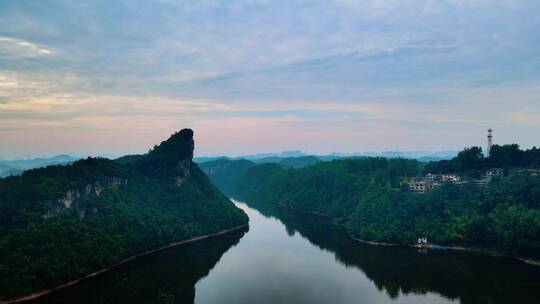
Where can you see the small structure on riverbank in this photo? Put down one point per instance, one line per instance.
(422, 242)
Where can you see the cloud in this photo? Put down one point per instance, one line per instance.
(330, 67)
(19, 48)
(7, 81)
(527, 117)
(299, 114)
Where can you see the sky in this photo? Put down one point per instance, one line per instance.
(118, 76)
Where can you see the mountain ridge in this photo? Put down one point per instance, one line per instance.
(18, 166)
(61, 223)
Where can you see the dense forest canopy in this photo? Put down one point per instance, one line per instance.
(472, 160)
(63, 222)
(370, 197)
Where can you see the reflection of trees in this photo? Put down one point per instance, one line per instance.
(167, 276)
(470, 277)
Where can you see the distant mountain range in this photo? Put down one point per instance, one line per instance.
(16, 167)
(424, 156)
(293, 158)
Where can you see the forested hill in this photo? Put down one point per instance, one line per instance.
(224, 171)
(371, 199)
(63, 222)
(471, 161)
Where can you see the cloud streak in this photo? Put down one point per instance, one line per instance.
(19, 48)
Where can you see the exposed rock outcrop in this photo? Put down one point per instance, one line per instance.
(96, 188)
(170, 160)
(70, 198)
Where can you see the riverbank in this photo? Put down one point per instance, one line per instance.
(529, 261)
(479, 250)
(374, 243)
(93, 274)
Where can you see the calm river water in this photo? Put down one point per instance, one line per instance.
(291, 257)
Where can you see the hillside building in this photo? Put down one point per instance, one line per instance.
(483, 182)
(431, 181)
(453, 178)
(491, 173)
(495, 172)
(420, 185)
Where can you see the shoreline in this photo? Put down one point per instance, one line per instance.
(492, 253)
(43, 292)
(525, 260)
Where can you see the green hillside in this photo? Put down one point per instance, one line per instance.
(370, 197)
(63, 222)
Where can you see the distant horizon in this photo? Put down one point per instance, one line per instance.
(241, 154)
(259, 154)
(283, 154)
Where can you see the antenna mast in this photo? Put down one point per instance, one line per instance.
(489, 141)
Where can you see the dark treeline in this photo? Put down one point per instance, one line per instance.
(63, 222)
(472, 161)
(370, 198)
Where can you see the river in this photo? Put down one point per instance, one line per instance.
(291, 257)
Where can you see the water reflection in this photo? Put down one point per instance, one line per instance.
(168, 276)
(464, 276)
(292, 257)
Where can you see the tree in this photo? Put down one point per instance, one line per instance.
(506, 156)
(469, 159)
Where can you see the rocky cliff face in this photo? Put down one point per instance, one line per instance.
(184, 165)
(170, 160)
(93, 188)
(70, 198)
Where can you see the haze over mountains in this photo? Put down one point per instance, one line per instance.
(16, 167)
(276, 157)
